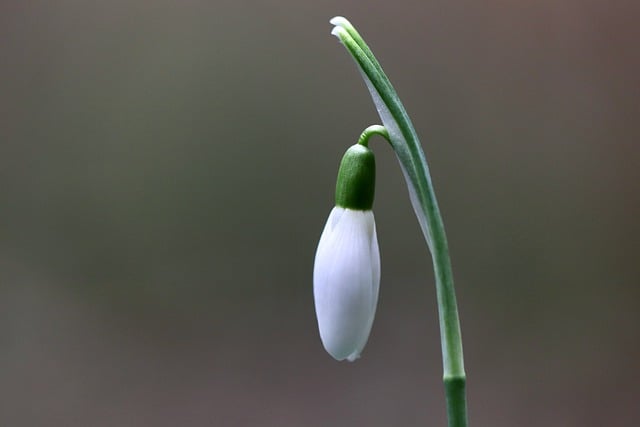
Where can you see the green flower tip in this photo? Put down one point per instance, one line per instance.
(356, 181)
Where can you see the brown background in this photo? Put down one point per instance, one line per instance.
(166, 169)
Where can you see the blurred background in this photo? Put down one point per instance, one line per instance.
(166, 169)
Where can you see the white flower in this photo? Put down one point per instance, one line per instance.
(346, 280)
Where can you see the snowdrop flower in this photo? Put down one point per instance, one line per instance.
(346, 274)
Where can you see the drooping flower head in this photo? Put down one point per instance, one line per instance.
(346, 274)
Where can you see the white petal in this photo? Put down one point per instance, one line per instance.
(346, 279)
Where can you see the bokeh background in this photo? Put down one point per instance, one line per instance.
(167, 167)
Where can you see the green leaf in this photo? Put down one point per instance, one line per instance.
(406, 145)
(403, 137)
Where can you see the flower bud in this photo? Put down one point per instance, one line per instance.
(346, 273)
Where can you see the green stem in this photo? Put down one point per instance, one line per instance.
(371, 131)
(406, 145)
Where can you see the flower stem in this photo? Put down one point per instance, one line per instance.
(371, 131)
(406, 145)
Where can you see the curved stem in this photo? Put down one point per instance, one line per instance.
(371, 131)
(406, 145)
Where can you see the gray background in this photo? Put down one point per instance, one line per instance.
(166, 169)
